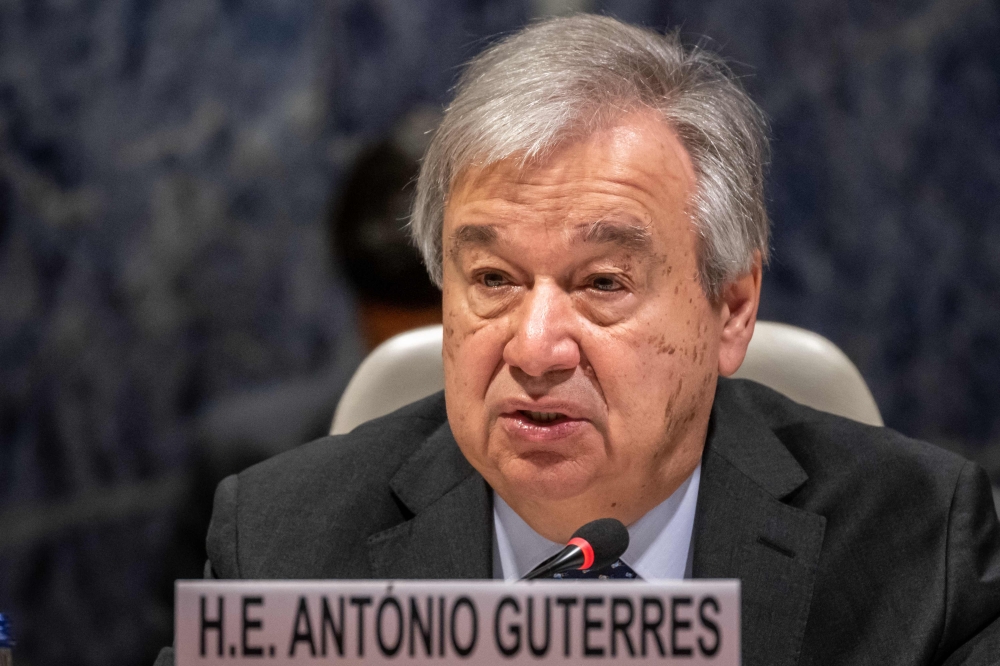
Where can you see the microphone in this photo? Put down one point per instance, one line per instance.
(595, 545)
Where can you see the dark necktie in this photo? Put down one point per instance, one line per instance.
(617, 570)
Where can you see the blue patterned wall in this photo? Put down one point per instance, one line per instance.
(885, 191)
(164, 168)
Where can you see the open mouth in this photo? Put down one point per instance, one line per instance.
(542, 418)
(534, 426)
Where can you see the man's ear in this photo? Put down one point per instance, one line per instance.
(738, 314)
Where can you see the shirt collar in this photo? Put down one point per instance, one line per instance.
(659, 542)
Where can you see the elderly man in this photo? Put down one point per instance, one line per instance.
(592, 209)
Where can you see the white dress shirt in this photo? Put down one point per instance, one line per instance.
(659, 542)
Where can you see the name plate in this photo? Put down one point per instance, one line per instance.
(451, 622)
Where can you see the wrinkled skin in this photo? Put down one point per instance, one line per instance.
(570, 287)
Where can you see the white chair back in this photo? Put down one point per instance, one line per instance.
(801, 364)
(809, 369)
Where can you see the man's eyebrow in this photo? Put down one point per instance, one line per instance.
(630, 234)
(473, 234)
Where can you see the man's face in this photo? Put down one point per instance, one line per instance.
(580, 350)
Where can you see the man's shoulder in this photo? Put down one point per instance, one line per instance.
(905, 530)
(308, 513)
(838, 452)
(373, 451)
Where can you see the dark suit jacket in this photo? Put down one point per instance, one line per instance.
(854, 544)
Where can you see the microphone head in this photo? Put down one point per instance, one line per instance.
(608, 538)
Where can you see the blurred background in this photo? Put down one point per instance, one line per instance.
(200, 204)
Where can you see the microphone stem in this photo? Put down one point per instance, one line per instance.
(570, 557)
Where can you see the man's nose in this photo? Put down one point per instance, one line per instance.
(543, 339)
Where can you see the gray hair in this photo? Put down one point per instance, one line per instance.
(566, 78)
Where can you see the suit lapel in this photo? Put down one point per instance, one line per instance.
(451, 532)
(743, 529)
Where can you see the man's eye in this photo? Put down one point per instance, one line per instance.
(493, 279)
(605, 283)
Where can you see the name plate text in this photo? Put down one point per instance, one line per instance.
(451, 622)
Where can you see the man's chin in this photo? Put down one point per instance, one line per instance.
(547, 477)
